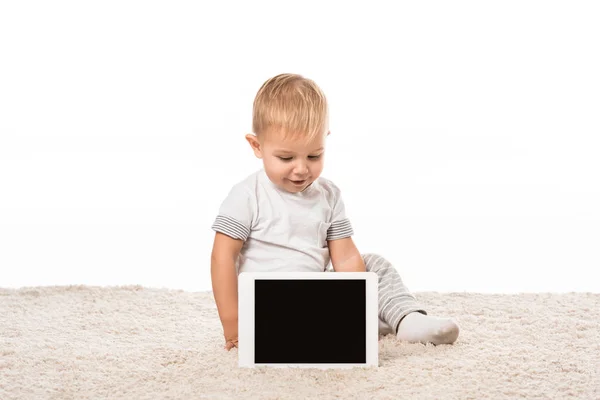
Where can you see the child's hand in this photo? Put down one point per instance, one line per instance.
(230, 332)
(231, 343)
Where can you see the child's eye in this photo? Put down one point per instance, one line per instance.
(289, 158)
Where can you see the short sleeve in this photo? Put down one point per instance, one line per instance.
(236, 213)
(340, 224)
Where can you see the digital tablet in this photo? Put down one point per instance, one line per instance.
(308, 319)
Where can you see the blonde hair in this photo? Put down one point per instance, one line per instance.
(291, 105)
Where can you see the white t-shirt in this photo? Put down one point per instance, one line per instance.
(283, 231)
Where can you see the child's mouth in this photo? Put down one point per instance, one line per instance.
(298, 183)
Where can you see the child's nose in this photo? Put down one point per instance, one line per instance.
(301, 168)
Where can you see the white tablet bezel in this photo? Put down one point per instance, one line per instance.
(246, 316)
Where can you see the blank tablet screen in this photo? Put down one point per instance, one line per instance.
(310, 321)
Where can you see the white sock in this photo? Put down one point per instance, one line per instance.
(417, 327)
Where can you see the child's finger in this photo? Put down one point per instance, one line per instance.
(230, 345)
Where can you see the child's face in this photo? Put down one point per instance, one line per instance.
(290, 164)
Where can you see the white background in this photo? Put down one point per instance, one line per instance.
(464, 135)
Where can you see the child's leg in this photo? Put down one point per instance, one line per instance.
(402, 312)
(395, 300)
(384, 328)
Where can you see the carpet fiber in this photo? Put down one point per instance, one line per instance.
(82, 342)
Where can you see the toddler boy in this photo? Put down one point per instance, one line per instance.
(286, 217)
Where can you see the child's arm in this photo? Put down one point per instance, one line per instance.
(224, 282)
(345, 257)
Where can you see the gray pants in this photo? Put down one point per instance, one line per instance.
(395, 300)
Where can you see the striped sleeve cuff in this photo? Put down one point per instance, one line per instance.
(230, 227)
(339, 230)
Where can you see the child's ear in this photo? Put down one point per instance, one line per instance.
(254, 144)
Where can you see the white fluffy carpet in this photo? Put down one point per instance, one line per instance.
(82, 342)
